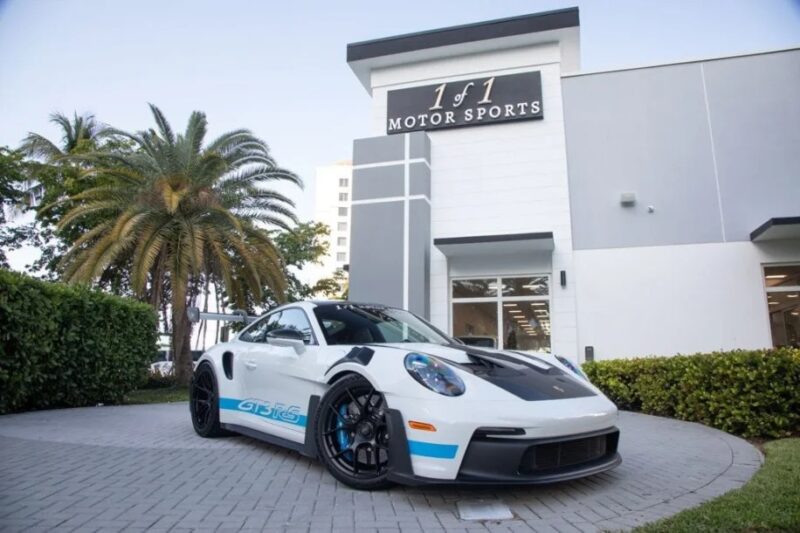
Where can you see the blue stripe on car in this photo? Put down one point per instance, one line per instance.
(431, 449)
(277, 412)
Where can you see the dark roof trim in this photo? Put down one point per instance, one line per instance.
(493, 238)
(776, 221)
(325, 303)
(492, 29)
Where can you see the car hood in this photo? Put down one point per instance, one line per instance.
(526, 376)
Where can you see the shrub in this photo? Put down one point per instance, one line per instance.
(158, 380)
(753, 393)
(65, 346)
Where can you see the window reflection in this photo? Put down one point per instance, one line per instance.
(475, 288)
(526, 326)
(781, 276)
(783, 304)
(533, 286)
(475, 322)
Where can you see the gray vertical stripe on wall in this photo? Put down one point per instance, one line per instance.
(378, 227)
(376, 253)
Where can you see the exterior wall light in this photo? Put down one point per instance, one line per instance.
(627, 199)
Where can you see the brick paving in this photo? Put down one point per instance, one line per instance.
(142, 468)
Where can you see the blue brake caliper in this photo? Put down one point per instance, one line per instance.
(343, 439)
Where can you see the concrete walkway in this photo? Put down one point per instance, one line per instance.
(142, 468)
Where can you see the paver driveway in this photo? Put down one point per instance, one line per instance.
(142, 468)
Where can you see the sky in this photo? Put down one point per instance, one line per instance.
(279, 68)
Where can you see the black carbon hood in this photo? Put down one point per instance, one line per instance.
(532, 381)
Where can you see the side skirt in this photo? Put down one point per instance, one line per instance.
(307, 448)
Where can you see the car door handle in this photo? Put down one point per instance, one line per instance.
(250, 364)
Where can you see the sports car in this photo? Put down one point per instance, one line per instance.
(380, 396)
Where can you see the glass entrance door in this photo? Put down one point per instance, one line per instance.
(508, 312)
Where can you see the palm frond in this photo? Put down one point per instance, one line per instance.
(163, 125)
(35, 145)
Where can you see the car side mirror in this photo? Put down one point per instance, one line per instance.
(287, 337)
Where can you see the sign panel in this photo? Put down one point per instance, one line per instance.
(474, 102)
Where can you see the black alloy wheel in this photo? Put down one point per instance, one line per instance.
(352, 434)
(204, 402)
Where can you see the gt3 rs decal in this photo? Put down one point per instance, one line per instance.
(288, 414)
(431, 449)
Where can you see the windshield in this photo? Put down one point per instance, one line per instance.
(365, 324)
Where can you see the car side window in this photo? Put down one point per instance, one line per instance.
(258, 331)
(297, 320)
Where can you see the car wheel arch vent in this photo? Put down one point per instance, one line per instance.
(227, 364)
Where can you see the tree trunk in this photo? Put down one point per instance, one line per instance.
(181, 335)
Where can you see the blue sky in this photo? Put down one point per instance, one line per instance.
(279, 68)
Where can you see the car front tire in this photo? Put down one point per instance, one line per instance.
(352, 434)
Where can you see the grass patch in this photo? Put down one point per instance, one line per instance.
(162, 395)
(770, 501)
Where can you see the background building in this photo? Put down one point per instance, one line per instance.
(506, 194)
(332, 198)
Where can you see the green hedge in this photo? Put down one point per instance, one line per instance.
(66, 346)
(753, 393)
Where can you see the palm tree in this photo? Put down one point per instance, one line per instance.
(77, 135)
(183, 212)
(55, 177)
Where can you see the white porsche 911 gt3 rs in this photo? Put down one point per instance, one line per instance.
(381, 396)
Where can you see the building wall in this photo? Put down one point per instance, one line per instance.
(754, 111)
(664, 300)
(488, 180)
(712, 147)
(708, 148)
(326, 210)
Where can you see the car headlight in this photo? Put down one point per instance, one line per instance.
(434, 374)
(567, 363)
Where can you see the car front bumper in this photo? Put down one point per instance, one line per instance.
(491, 458)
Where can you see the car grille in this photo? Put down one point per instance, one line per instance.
(540, 458)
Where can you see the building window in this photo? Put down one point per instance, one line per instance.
(342, 196)
(341, 241)
(341, 226)
(344, 182)
(341, 257)
(518, 307)
(783, 303)
(342, 211)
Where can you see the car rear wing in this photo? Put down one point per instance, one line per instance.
(195, 315)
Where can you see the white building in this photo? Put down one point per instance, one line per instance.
(332, 207)
(506, 194)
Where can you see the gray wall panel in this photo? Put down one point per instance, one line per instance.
(419, 245)
(419, 179)
(754, 104)
(378, 182)
(376, 253)
(378, 149)
(419, 145)
(643, 131)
